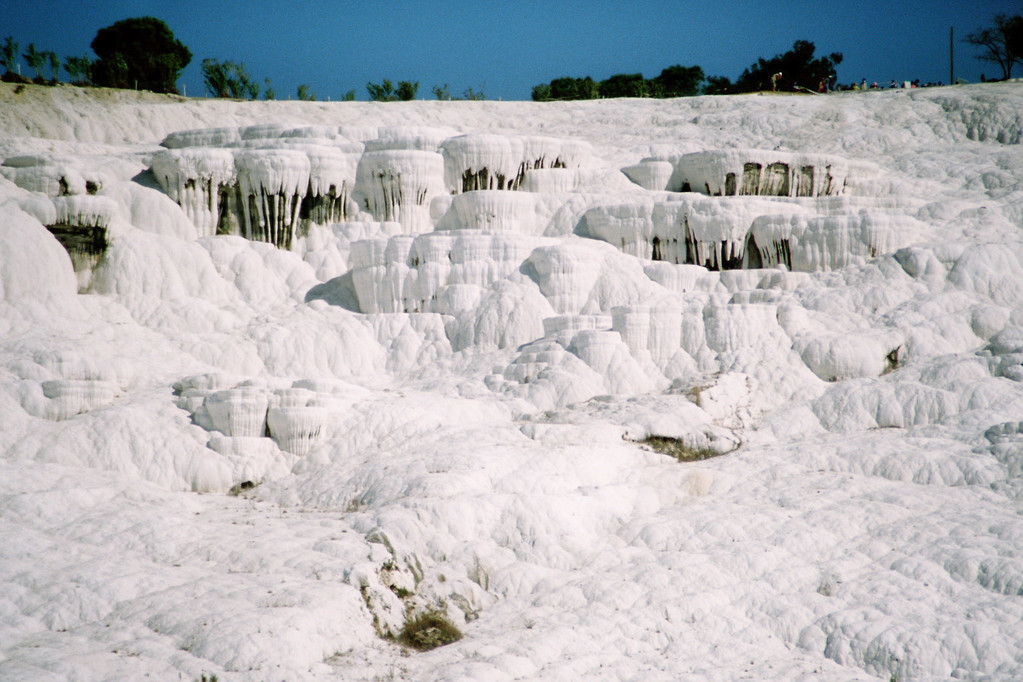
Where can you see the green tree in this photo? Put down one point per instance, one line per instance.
(268, 92)
(442, 93)
(1001, 44)
(79, 70)
(625, 85)
(348, 96)
(35, 59)
(678, 81)
(71, 66)
(140, 52)
(228, 79)
(387, 92)
(572, 88)
(797, 66)
(718, 85)
(542, 93)
(407, 90)
(9, 51)
(474, 95)
(305, 94)
(383, 92)
(214, 77)
(54, 66)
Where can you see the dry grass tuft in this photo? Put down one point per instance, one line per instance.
(674, 447)
(428, 630)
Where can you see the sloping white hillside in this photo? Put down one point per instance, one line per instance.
(275, 375)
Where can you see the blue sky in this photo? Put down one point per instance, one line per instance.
(506, 48)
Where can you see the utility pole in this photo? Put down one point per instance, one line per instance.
(951, 56)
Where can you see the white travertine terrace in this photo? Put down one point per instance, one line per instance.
(81, 225)
(271, 184)
(296, 429)
(202, 137)
(494, 211)
(754, 172)
(652, 174)
(750, 232)
(311, 417)
(85, 210)
(239, 411)
(498, 162)
(398, 185)
(70, 397)
(332, 172)
(414, 274)
(480, 161)
(811, 244)
(200, 180)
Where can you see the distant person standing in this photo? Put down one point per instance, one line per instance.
(863, 84)
(774, 81)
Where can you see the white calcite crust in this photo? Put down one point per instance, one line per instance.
(238, 411)
(829, 242)
(480, 161)
(337, 363)
(495, 211)
(754, 172)
(202, 137)
(271, 184)
(198, 179)
(398, 185)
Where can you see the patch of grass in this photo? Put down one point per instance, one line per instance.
(674, 447)
(892, 361)
(237, 490)
(428, 630)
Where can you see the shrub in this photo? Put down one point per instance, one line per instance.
(674, 447)
(428, 630)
